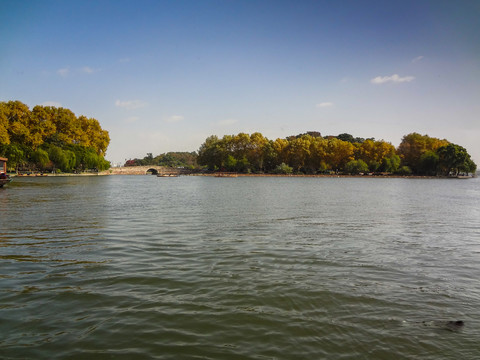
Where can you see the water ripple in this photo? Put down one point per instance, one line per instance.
(254, 268)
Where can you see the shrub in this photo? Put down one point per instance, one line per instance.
(283, 169)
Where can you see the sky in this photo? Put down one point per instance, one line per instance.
(162, 76)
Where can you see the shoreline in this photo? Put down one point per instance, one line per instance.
(331, 176)
(233, 175)
(54, 175)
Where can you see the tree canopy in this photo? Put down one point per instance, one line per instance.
(170, 159)
(310, 153)
(51, 138)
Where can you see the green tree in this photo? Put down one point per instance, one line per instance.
(256, 152)
(454, 159)
(58, 157)
(404, 170)
(16, 156)
(231, 163)
(391, 163)
(270, 156)
(429, 163)
(356, 167)
(283, 169)
(40, 158)
(210, 153)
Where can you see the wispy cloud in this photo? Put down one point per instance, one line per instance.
(124, 60)
(63, 72)
(130, 104)
(395, 78)
(227, 122)
(51, 103)
(324, 105)
(88, 70)
(418, 58)
(175, 118)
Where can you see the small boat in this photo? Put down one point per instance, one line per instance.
(167, 175)
(4, 178)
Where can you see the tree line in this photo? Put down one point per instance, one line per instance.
(310, 153)
(186, 160)
(49, 138)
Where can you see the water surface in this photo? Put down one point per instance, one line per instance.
(239, 268)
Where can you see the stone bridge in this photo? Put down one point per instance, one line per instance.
(145, 170)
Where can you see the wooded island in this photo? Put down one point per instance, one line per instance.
(310, 153)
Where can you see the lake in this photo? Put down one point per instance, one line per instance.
(140, 267)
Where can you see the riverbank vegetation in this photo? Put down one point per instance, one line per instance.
(310, 153)
(187, 160)
(48, 138)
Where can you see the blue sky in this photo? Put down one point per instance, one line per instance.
(163, 75)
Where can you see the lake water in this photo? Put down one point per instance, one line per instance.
(140, 267)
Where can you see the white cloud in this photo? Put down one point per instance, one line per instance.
(51, 103)
(124, 60)
(418, 58)
(88, 70)
(63, 72)
(130, 104)
(395, 78)
(324, 105)
(175, 118)
(227, 122)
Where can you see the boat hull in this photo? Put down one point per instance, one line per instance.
(4, 181)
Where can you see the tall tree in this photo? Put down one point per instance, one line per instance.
(454, 159)
(414, 145)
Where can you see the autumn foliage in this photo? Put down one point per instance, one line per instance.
(310, 153)
(50, 138)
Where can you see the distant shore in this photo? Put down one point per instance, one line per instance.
(56, 175)
(327, 176)
(230, 175)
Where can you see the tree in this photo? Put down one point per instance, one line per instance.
(29, 135)
(454, 159)
(356, 167)
(429, 163)
(283, 169)
(17, 115)
(373, 152)
(338, 153)
(15, 155)
(391, 163)
(210, 153)
(280, 146)
(312, 154)
(298, 151)
(40, 158)
(256, 153)
(4, 125)
(350, 138)
(414, 145)
(270, 156)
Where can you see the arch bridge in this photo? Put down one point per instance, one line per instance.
(146, 170)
